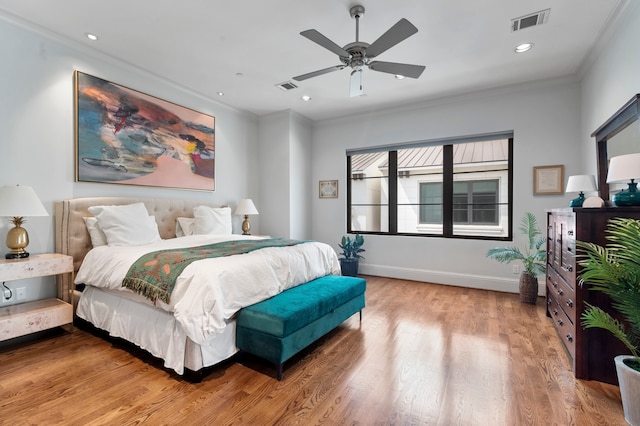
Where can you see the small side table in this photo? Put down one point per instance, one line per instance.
(26, 318)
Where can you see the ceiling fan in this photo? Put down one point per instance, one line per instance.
(360, 54)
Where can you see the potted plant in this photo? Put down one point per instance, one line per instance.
(533, 258)
(351, 249)
(615, 271)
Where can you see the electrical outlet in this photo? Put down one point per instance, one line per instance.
(7, 295)
(21, 293)
(516, 269)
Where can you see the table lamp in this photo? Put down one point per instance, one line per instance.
(625, 168)
(246, 207)
(18, 202)
(581, 184)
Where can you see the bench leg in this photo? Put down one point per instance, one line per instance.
(279, 371)
(360, 315)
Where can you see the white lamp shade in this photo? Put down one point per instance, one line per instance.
(20, 201)
(246, 207)
(581, 183)
(623, 168)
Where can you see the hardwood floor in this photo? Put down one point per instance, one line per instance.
(423, 354)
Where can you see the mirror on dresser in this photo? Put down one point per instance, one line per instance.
(619, 135)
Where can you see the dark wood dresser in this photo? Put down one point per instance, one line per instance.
(591, 351)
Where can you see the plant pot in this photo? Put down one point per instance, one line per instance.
(349, 267)
(528, 288)
(629, 380)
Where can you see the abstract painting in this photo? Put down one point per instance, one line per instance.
(127, 137)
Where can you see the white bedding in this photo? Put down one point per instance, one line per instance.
(209, 292)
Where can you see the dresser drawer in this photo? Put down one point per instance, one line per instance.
(565, 328)
(562, 292)
(568, 264)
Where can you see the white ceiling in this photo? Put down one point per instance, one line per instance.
(203, 45)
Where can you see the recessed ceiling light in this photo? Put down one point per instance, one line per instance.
(220, 93)
(306, 98)
(400, 77)
(523, 47)
(91, 36)
(239, 74)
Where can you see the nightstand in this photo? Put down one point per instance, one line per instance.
(26, 318)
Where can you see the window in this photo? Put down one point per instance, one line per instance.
(453, 188)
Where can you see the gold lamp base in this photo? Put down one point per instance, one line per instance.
(246, 226)
(17, 240)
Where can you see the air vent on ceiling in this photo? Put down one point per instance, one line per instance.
(287, 85)
(530, 20)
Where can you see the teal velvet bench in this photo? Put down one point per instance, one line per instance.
(278, 328)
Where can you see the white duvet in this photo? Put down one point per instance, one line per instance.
(210, 291)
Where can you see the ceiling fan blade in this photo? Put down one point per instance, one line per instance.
(406, 70)
(319, 72)
(400, 31)
(355, 86)
(323, 41)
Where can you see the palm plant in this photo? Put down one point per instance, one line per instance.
(534, 256)
(615, 271)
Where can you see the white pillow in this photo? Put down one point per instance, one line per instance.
(95, 233)
(210, 220)
(126, 225)
(184, 226)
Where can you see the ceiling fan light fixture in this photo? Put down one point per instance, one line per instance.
(359, 54)
(306, 98)
(91, 36)
(400, 77)
(524, 47)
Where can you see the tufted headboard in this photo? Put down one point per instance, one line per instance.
(72, 237)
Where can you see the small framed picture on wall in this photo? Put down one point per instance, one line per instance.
(328, 189)
(548, 180)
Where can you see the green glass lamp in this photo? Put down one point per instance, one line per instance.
(580, 184)
(625, 168)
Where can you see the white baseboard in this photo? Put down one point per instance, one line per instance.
(507, 285)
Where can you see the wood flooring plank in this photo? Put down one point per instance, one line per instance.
(424, 354)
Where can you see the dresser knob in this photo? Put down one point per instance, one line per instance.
(569, 249)
(569, 338)
(570, 303)
(555, 312)
(570, 232)
(569, 268)
(560, 322)
(558, 240)
(560, 292)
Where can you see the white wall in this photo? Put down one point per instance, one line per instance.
(300, 180)
(274, 153)
(37, 139)
(552, 122)
(610, 78)
(285, 156)
(545, 121)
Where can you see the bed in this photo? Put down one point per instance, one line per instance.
(196, 327)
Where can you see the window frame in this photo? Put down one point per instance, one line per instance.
(447, 182)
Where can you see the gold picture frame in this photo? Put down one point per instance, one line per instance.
(124, 136)
(548, 180)
(328, 189)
